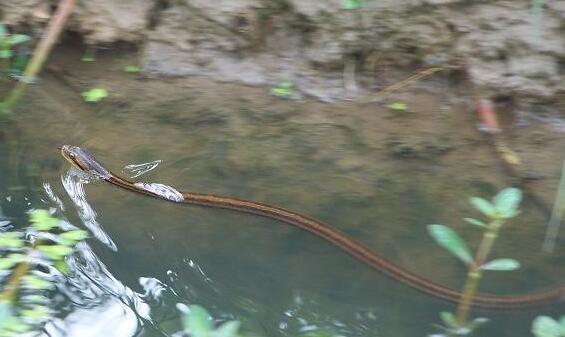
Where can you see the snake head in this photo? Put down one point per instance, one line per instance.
(84, 161)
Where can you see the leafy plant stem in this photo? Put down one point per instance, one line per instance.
(42, 50)
(475, 272)
(10, 290)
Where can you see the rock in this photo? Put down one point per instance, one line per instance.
(105, 21)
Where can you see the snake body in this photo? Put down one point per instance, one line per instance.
(86, 162)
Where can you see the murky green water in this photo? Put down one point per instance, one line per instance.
(328, 162)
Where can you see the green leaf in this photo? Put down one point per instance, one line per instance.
(71, 237)
(62, 266)
(507, 201)
(398, 106)
(16, 325)
(11, 260)
(11, 240)
(475, 222)
(37, 283)
(545, 326)
(228, 329)
(197, 322)
(132, 69)
(484, 206)
(449, 240)
(283, 89)
(5, 54)
(448, 319)
(3, 31)
(18, 38)
(279, 92)
(94, 95)
(351, 4)
(476, 323)
(501, 265)
(35, 313)
(42, 220)
(511, 214)
(55, 252)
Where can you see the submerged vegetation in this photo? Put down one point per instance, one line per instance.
(197, 322)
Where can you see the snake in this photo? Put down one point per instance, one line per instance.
(86, 162)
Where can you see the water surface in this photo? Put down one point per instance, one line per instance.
(378, 176)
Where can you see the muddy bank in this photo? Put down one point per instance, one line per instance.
(507, 48)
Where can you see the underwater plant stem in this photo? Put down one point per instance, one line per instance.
(475, 271)
(42, 50)
(469, 291)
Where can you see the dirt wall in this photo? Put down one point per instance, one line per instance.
(508, 48)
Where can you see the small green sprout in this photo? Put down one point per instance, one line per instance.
(398, 106)
(8, 41)
(94, 95)
(283, 89)
(131, 68)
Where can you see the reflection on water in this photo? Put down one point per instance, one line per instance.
(136, 170)
(74, 182)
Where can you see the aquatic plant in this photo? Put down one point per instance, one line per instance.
(94, 95)
(197, 322)
(283, 89)
(545, 326)
(504, 206)
(25, 255)
(7, 43)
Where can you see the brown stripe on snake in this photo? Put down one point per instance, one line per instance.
(84, 161)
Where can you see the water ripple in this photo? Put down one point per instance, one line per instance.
(73, 181)
(135, 170)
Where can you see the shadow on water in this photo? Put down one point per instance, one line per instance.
(369, 173)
